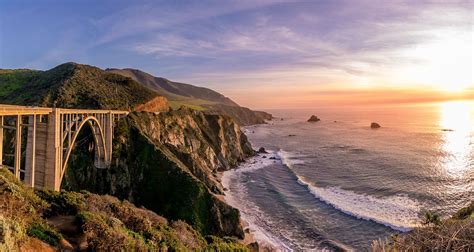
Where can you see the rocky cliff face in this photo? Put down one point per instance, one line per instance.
(157, 104)
(168, 163)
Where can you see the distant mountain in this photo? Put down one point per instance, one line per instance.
(179, 94)
(72, 85)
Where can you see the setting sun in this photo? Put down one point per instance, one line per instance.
(444, 64)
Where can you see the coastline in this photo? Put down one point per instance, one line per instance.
(253, 233)
(248, 237)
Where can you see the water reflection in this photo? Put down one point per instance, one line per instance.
(456, 121)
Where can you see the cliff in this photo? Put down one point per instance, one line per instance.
(168, 163)
(157, 104)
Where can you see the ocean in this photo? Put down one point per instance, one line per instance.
(338, 185)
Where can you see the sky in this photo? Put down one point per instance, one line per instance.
(262, 54)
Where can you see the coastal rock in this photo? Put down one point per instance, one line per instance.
(314, 118)
(157, 104)
(447, 130)
(375, 125)
(262, 150)
(253, 247)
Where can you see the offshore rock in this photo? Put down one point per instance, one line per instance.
(375, 125)
(262, 150)
(314, 118)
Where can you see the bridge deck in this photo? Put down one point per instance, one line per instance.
(12, 110)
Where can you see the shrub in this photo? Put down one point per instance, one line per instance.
(10, 233)
(431, 218)
(44, 232)
(62, 203)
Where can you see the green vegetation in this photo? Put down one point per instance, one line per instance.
(12, 80)
(453, 234)
(72, 85)
(187, 103)
(105, 222)
(432, 218)
(44, 232)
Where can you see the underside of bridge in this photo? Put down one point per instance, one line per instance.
(36, 143)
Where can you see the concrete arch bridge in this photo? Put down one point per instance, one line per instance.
(46, 137)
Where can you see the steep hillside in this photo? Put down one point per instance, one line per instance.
(168, 163)
(72, 85)
(198, 98)
(69, 221)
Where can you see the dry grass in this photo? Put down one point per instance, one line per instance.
(455, 234)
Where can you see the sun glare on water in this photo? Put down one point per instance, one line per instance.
(456, 122)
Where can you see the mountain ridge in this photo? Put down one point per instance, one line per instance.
(199, 98)
(72, 85)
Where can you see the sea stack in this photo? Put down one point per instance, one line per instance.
(262, 150)
(314, 118)
(375, 125)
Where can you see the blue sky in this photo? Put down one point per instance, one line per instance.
(247, 49)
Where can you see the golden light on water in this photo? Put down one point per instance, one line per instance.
(456, 121)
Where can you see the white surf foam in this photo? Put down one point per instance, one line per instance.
(250, 213)
(398, 212)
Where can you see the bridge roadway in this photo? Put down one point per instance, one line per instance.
(50, 137)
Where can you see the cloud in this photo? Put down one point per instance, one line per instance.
(239, 45)
(354, 40)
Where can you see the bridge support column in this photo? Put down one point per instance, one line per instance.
(109, 135)
(30, 160)
(1, 141)
(54, 150)
(17, 162)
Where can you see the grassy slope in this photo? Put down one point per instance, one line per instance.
(453, 234)
(104, 222)
(72, 85)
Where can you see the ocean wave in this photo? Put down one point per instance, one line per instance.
(251, 213)
(398, 212)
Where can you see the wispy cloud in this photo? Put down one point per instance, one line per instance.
(243, 45)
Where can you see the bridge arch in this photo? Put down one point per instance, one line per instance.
(101, 160)
(51, 136)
